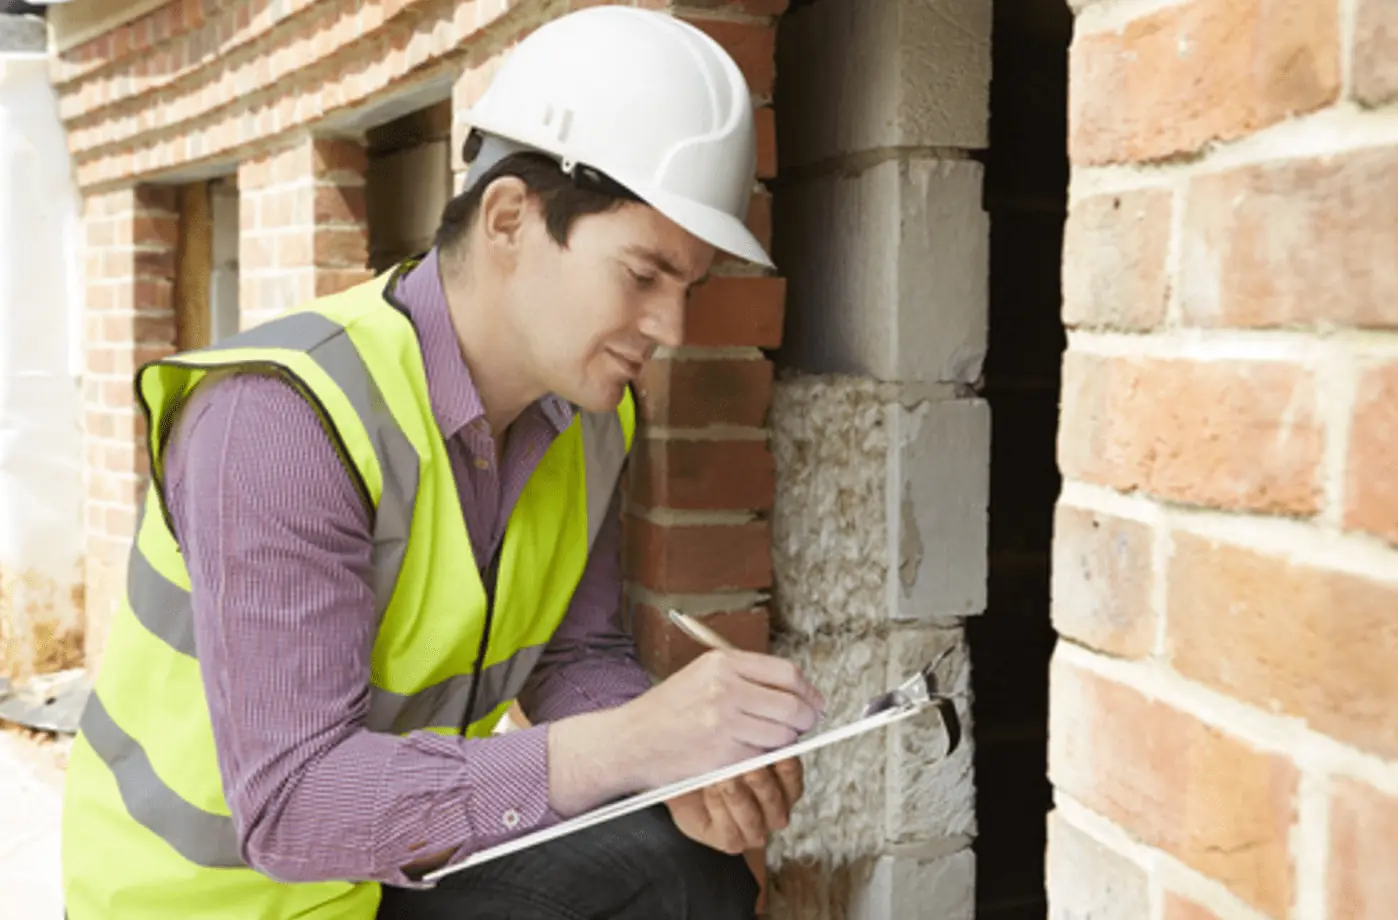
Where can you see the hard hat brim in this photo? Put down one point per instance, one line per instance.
(721, 230)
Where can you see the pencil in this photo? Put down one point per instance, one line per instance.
(699, 632)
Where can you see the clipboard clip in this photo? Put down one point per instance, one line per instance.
(916, 692)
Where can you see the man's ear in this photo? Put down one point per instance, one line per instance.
(503, 209)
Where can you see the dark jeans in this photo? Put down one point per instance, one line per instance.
(638, 867)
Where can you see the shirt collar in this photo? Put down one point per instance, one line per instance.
(456, 402)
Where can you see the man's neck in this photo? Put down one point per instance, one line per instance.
(495, 359)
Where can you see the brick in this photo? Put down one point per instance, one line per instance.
(341, 160)
(333, 281)
(336, 248)
(340, 204)
(1178, 78)
(736, 311)
(700, 393)
(1178, 907)
(1292, 242)
(664, 648)
(702, 475)
(699, 558)
(751, 7)
(1371, 489)
(766, 123)
(1114, 252)
(153, 329)
(1216, 804)
(1088, 879)
(151, 230)
(1319, 643)
(1238, 435)
(751, 45)
(1102, 581)
(1363, 842)
(1376, 52)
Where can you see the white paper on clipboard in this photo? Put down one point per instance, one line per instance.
(656, 796)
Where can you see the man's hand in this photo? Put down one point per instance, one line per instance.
(739, 813)
(723, 707)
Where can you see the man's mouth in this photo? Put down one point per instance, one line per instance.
(631, 366)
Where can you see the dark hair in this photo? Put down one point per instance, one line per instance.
(565, 197)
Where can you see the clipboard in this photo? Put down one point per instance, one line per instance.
(898, 708)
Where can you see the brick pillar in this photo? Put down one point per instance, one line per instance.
(130, 319)
(1224, 707)
(303, 228)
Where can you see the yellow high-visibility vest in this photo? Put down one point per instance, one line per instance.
(147, 833)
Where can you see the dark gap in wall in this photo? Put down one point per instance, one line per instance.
(1026, 187)
(408, 183)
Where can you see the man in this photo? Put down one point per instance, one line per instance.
(376, 522)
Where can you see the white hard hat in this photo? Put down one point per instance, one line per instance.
(647, 100)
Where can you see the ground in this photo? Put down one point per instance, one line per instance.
(30, 796)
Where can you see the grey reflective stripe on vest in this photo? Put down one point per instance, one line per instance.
(443, 703)
(326, 342)
(201, 837)
(604, 452)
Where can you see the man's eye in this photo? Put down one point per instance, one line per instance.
(643, 281)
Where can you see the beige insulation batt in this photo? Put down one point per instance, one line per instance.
(888, 789)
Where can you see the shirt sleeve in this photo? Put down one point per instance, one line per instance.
(590, 663)
(277, 541)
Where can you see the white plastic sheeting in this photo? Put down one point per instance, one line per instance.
(41, 488)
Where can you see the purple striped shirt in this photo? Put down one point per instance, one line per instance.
(278, 543)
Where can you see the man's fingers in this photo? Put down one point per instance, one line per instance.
(786, 709)
(771, 798)
(792, 777)
(780, 674)
(745, 812)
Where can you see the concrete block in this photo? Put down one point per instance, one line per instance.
(881, 507)
(885, 788)
(858, 76)
(938, 499)
(899, 887)
(887, 271)
(1088, 880)
(929, 796)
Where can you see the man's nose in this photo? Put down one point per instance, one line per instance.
(664, 322)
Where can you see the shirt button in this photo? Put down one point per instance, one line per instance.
(510, 819)
(482, 463)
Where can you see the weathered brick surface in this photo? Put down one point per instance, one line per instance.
(1102, 581)
(726, 311)
(1178, 907)
(1229, 434)
(1294, 242)
(1376, 52)
(1371, 486)
(1177, 78)
(701, 393)
(1285, 636)
(1212, 801)
(1087, 878)
(664, 648)
(1114, 253)
(699, 558)
(1363, 847)
(702, 474)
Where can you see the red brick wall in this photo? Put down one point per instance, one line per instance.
(1224, 700)
(131, 236)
